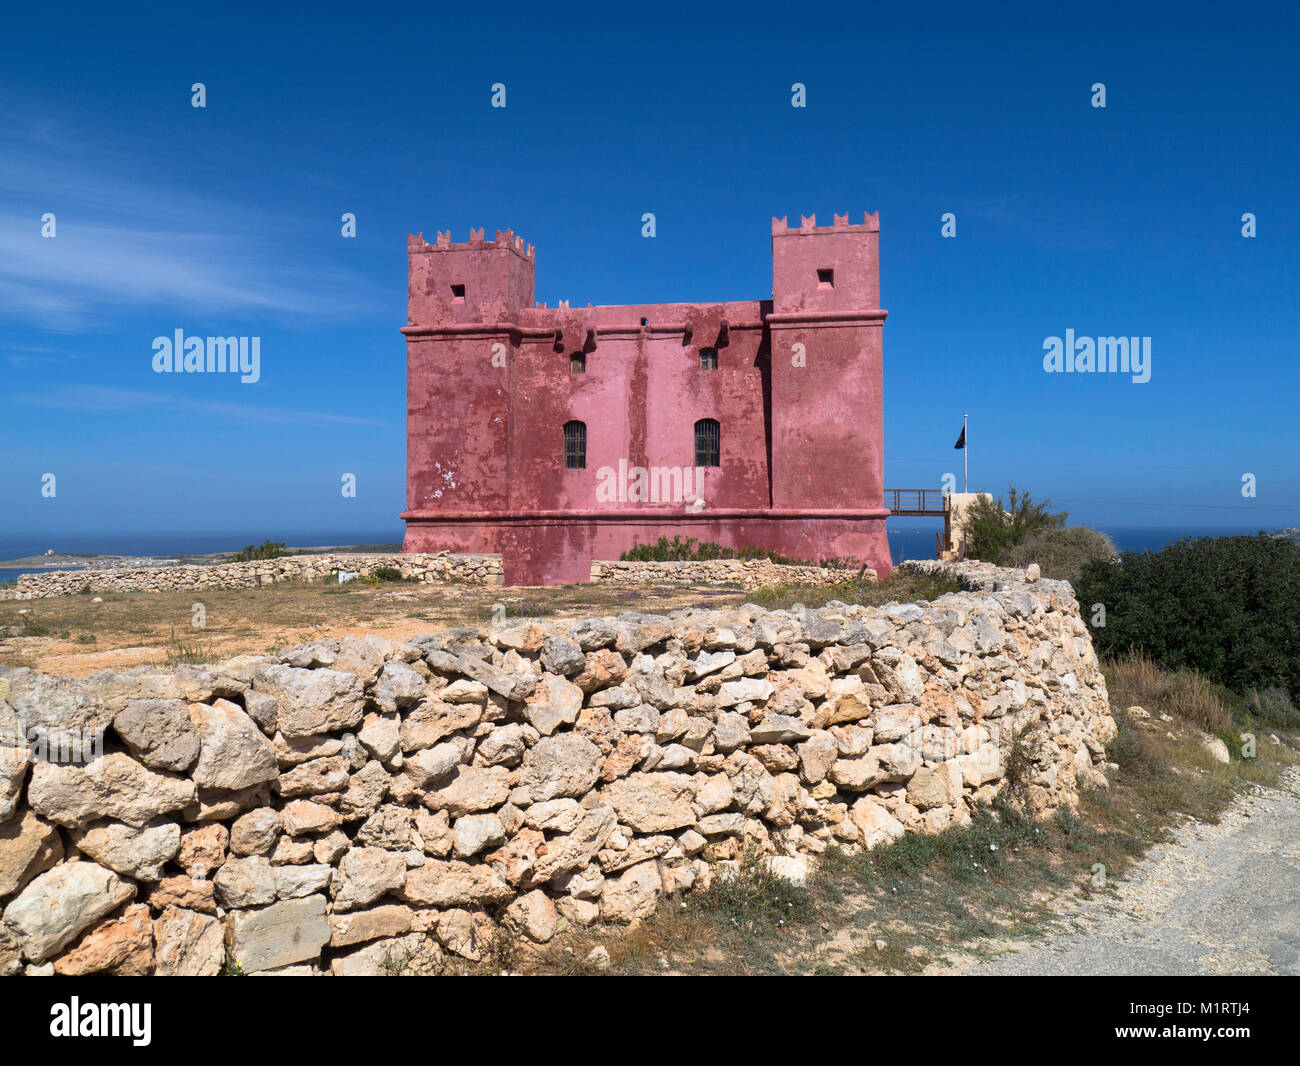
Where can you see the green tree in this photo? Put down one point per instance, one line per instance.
(992, 526)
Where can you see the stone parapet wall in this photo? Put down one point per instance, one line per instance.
(747, 573)
(356, 804)
(442, 566)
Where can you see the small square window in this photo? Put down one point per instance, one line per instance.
(577, 363)
(826, 278)
(458, 294)
(645, 321)
(708, 358)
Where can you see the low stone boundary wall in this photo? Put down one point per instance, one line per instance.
(443, 566)
(357, 805)
(747, 573)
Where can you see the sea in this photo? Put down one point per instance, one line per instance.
(916, 541)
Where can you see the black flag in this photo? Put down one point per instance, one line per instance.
(961, 441)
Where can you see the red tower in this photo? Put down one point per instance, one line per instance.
(561, 435)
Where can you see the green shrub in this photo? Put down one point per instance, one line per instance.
(1228, 607)
(387, 573)
(268, 549)
(688, 549)
(1061, 554)
(993, 527)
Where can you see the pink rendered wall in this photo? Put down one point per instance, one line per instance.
(490, 388)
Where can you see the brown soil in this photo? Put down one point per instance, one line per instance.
(132, 629)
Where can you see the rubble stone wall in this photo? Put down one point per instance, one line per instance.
(442, 566)
(747, 573)
(357, 805)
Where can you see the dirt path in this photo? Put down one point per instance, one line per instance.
(1215, 899)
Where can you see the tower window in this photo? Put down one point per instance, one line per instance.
(708, 358)
(826, 278)
(458, 294)
(575, 445)
(577, 362)
(708, 442)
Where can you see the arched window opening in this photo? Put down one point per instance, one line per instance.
(708, 442)
(575, 445)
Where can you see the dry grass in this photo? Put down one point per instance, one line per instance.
(1137, 681)
(75, 636)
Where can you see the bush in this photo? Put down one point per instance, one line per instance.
(993, 527)
(690, 550)
(1060, 553)
(1228, 607)
(268, 549)
(387, 573)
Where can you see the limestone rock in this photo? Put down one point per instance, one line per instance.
(255, 833)
(187, 944)
(471, 789)
(160, 733)
(247, 882)
(935, 786)
(122, 946)
(454, 884)
(534, 915)
(554, 703)
(29, 845)
(365, 874)
(136, 853)
(61, 903)
(652, 803)
(565, 765)
(874, 822)
(233, 752)
(203, 850)
(376, 923)
(633, 894)
(312, 701)
(290, 931)
(113, 786)
(413, 955)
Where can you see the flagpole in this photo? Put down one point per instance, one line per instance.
(965, 453)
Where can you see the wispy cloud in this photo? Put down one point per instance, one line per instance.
(101, 398)
(124, 238)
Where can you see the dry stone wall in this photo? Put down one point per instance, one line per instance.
(357, 804)
(747, 573)
(442, 566)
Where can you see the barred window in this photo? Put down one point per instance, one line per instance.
(575, 445)
(708, 358)
(577, 362)
(708, 442)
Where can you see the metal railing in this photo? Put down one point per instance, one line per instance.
(915, 501)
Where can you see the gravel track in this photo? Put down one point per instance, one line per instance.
(1214, 899)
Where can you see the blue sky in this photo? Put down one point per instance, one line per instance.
(226, 220)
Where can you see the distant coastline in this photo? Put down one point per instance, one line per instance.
(21, 554)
